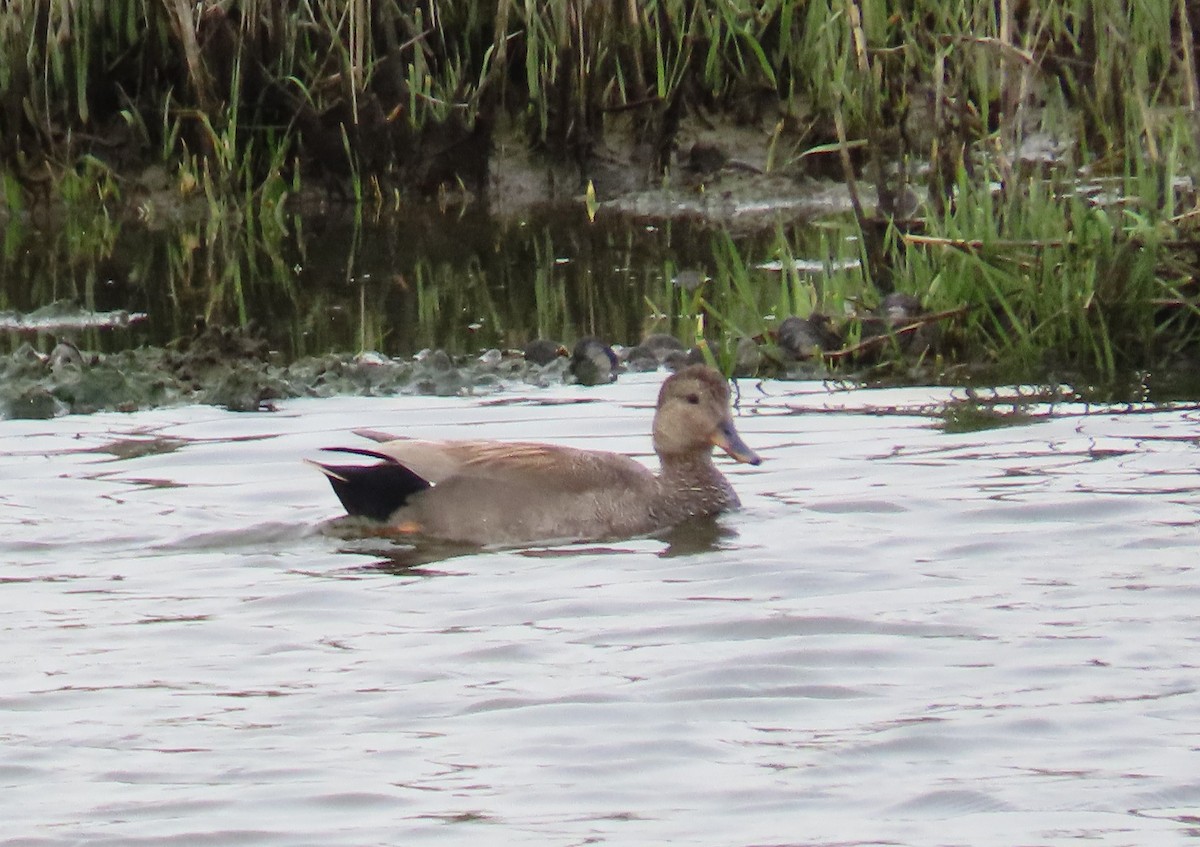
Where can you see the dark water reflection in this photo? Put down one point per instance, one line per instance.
(420, 558)
(907, 636)
(396, 283)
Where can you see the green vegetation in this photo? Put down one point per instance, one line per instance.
(1056, 144)
(394, 283)
(239, 99)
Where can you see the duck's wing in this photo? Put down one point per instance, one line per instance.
(378, 435)
(436, 461)
(546, 465)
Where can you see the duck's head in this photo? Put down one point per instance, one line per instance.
(693, 416)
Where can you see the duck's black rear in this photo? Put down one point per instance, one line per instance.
(372, 491)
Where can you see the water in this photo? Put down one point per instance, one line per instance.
(906, 637)
(410, 279)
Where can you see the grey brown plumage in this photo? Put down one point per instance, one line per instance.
(491, 492)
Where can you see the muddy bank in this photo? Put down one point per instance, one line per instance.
(237, 369)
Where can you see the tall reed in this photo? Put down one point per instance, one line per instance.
(245, 102)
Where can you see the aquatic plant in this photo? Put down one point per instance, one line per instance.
(381, 90)
(1004, 115)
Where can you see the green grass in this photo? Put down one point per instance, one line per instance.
(356, 89)
(246, 105)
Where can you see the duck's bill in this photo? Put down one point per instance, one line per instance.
(727, 439)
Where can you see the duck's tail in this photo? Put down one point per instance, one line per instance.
(371, 491)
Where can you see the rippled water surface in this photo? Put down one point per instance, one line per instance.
(906, 637)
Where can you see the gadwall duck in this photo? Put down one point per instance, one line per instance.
(503, 493)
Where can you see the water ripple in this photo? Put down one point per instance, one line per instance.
(906, 637)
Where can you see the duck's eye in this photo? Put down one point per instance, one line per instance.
(693, 398)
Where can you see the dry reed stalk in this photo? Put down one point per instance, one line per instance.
(185, 30)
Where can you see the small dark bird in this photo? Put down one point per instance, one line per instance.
(806, 338)
(662, 345)
(593, 362)
(542, 351)
(897, 315)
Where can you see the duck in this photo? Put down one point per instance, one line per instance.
(543, 351)
(497, 493)
(593, 362)
(801, 339)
